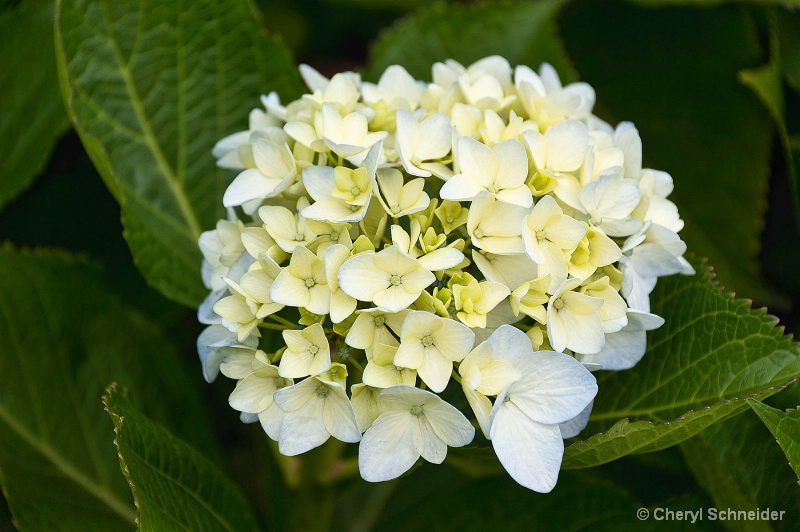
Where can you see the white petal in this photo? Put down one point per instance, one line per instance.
(289, 290)
(531, 452)
(339, 417)
(427, 443)
(271, 419)
(387, 449)
(574, 426)
(449, 424)
(249, 185)
(557, 388)
(441, 259)
(567, 144)
(319, 181)
(252, 394)
(434, 137)
(396, 298)
(302, 431)
(360, 278)
(208, 347)
(435, 370)
(481, 407)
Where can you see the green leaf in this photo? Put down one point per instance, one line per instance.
(767, 83)
(33, 116)
(523, 33)
(65, 337)
(712, 353)
(645, 436)
(785, 426)
(53, 438)
(788, 25)
(151, 86)
(443, 501)
(673, 72)
(174, 486)
(722, 459)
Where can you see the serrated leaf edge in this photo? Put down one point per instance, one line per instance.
(118, 420)
(625, 422)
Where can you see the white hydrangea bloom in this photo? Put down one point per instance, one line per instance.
(501, 171)
(430, 345)
(549, 236)
(403, 222)
(314, 410)
(420, 144)
(524, 421)
(307, 353)
(390, 279)
(413, 423)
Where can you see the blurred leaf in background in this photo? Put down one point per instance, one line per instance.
(65, 338)
(33, 116)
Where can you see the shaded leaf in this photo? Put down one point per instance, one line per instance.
(65, 338)
(523, 33)
(449, 502)
(722, 459)
(150, 87)
(33, 116)
(58, 469)
(788, 25)
(767, 83)
(673, 73)
(785, 426)
(712, 353)
(174, 486)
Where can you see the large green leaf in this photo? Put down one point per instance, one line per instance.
(151, 86)
(785, 426)
(58, 469)
(174, 486)
(739, 465)
(712, 354)
(673, 72)
(65, 337)
(33, 116)
(523, 33)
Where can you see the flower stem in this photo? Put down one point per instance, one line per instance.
(283, 321)
(273, 326)
(356, 364)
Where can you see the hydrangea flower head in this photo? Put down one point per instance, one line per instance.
(408, 242)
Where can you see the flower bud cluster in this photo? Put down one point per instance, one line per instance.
(484, 229)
